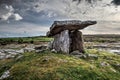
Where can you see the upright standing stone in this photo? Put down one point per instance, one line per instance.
(61, 42)
(76, 41)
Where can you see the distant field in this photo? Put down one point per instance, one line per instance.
(19, 40)
(87, 38)
(102, 38)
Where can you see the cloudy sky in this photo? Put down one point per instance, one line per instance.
(34, 17)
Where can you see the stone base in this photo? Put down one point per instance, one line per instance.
(76, 41)
(61, 42)
(68, 41)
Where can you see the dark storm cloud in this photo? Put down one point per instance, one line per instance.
(89, 1)
(116, 2)
(32, 17)
(9, 2)
(29, 10)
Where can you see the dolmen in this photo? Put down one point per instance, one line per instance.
(67, 37)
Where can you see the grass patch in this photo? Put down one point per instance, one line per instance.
(19, 40)
(51, 66)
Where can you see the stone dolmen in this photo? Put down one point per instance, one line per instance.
(66, 34)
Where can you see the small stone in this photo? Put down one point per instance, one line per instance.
(39, 51)
(2, 54)
(81, 56)
(62, 60)
(118, 65)
(92, 56)
(84, 56)
(9, 56)
(19, 57)
(53, 51)
(41, 47)
(76, 53)
(46, 59)
(91, 67)
(2, 57)
(28, 49)
(50, 45)
(104, 64)
(5, 75)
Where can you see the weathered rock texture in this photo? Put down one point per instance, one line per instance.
(61, 42)
(76, 41)
(59, 26)
(67, 37)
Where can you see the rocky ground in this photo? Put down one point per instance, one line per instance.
(48, 65)
(17, 52)
(11, 50)
(101, 56)
(113, 47)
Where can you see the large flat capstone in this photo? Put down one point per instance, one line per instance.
(59, 26)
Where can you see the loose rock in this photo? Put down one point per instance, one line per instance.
(5, 75)
(92, 56)
(76, 53)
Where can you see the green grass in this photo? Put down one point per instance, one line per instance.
(55, 66)
(102, 38)
(4, 41)
(87, 38)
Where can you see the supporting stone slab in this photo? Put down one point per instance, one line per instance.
(68, 42)
(76, 41)
(61, 42)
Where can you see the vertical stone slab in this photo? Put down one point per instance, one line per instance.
(61, 42)
(76, 42)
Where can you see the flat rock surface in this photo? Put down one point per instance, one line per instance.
(59, 26)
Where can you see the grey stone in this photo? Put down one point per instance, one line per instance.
(59, 26)
(19, 57)
(9, 53)
(2, 57)
(2, 54)
(39, 51)
(5, 75)
(92, 56)
(53, 51)
(81, 56)
(29, 49)
(76, 53)
(50, 45)
(61, 42)
(42, 47)
(104, 64)
(9, 56)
